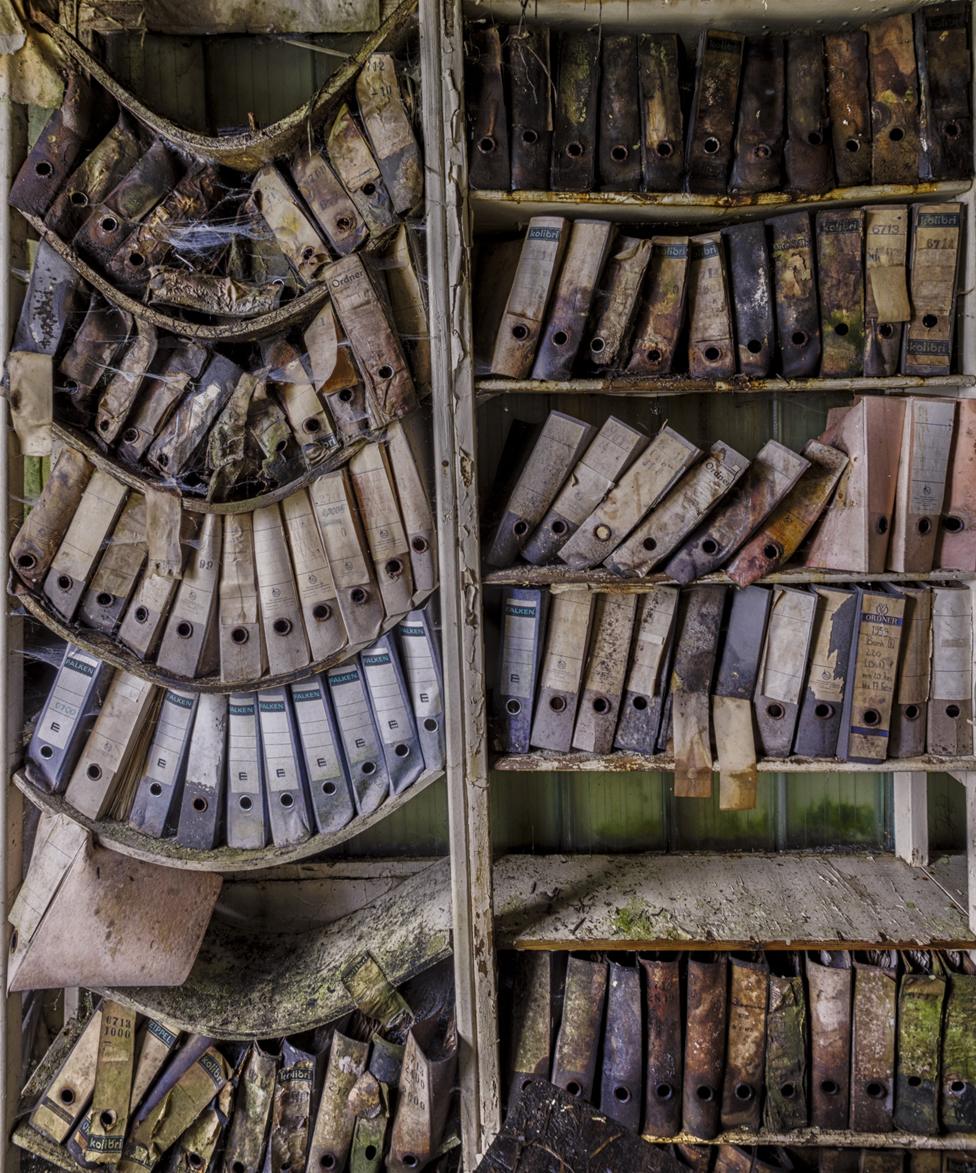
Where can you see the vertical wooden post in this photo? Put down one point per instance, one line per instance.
(455, 441)
(911, 817)
(969, 782)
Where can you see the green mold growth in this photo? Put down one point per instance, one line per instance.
(834, 823)
(634, 923)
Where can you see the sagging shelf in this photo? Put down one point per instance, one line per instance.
(498, 210)
(665, 385)
(576, 762)
(829, 1138)
(120, 837)
(106, 648)
(285, 982)
(606, 580)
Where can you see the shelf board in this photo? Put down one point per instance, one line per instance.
(829, 1138)
(606, 580)
(648, 388)
(120, 837)
(577, 762)
(281, 983)
(729, 901)
(496, 210)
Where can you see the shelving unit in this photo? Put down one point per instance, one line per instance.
(672, 900)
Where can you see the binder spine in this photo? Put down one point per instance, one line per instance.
(318, 743)
(246, 814)
(530, 101)
(797, 312)
(65, 721)
(200, 821)
(840, 248)
(708, 152)
(361, 747)
(158, 794)
(287, 805)
(662, 125)
(421, 662)
(849, 99)
(752, 297)
(761, 132)
(488, 166)
(619, 126)
(711, 347)
(809, 164)
(392, 713)
(523, 621)
(623, 1059)
(575, 124)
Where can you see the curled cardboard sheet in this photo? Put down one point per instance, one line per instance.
(141, 925)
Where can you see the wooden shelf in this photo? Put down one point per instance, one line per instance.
(126, 840)
(829, 1138)
(106, 648)
(729, 901)
(576, 762)
(667, 385)
(282, 983)
(606, 580)
(499, 210)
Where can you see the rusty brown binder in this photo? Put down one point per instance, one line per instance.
(957, 533)
(659, 321)
(662, 124)
(704, 1059)
(922, 471)
(910, 708)
(662, 1025)
(797, 310)
(854, 532)
(809, 161)
(945, 68)
(840, 272)
(829, 985)
(752, 298)
(615, 301)
(746, 1044)
(57, 149)
(886, 304)
(849, 99)
(333, 209)
(786, 1045)
(577, 74)
(761, 130)
(619, 125)
(691, 683)
(88, 360)
(873, 1041)
(530, 105)
(488, 158)
(894, 100)
(387, 122)
(711, 345)
(927, 340)
(708, 151)
(532, 1020)
(94, 178)
(40, 534)
(578, 1042)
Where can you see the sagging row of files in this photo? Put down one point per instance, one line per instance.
(704, 1043)
(213, 424)
(180, 232)
(244, 769)
(854, 673)
(373, 1092)
(844, 292)
(889, 485)
(268, 591)
(726, 1158)
(586, 109)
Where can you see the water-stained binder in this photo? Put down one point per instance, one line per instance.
(241, 637)
(523, 622)
(281, 764)
(158, 793)
(840, 272)
(655, 471)
(825, 686)
(921, 994)
(603, 677)
(704, 1056)
(922, 469)
(589, 244)
(319, 747)
(957, 531)
(752, 297)
(535, 278)
(768, 479)
(609, 454)
(40, 534)
(648, 671)
(797, 311)
(927, 339)
(387, 123)
(488, 160)
(574, 1060)
(786, 1045)
(662, 123)
(695, 657)
(530, 104)
(735, 684)
(849, 99)
(829, 986)
(760, 133)
(809, 160)
(561, 674)
(909, 713)
(886, 304)
(559, 446)
(869, 695)
(577, 60)
(746, 1045)
(393, 716)
(873, 1041)
(659, 323)
(533, 1006)
(708, 152)
(662, 1026)
(619, 126)
(945, 67)
(615, 301)
(281, 614)
(958, 1105)
(782, 669)
(118, 569)
(711, 346)
(63, 724)
(894, 100)
(623, 1047)
(247, 818)
(950, 711)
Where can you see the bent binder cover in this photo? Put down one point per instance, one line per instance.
(535, 278)
(821, 710)
(782, 669)
(708, 152)
(691, 682)
(869, 696)
(615, 301)
(660, 320)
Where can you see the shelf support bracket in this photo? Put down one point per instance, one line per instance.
(911, 817)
